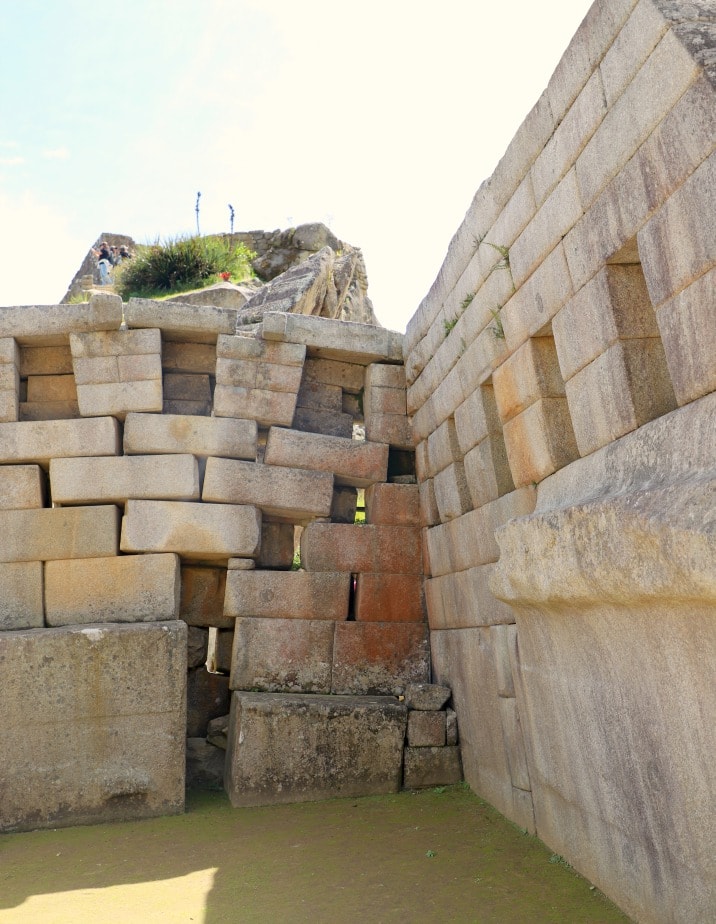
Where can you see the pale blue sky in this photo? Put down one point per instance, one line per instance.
(379, 117)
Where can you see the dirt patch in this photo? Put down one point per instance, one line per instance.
(435, 856)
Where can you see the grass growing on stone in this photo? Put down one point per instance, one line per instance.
(435, 856)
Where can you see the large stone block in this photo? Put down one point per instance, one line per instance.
(268, 408)
(110, 743)
(202, 597)
(393, 429)
(614, 305)
(40, 441)
(452, 494)
(379, 658)
(329, 423)
(146, 434)
(52, 360)
(462, 660)
(426, 729)
(252, 375)
(392, 505)
(464, 600)
(344, 341)
(487, 471)
(282, 655)
(117, 399)
(181, 321)
(531, 373)
(470, 540)
(21, 486)
(539, 441)
(126, 588)
(189, 357)
(58, 533)
(291, 493)
(114, 479)
(350, 376)
(287, 594)
(389, 598)
(623, 388)
(352, 462)
(41, 388)
(21, 601)
(302, 748)
(688, 331)
(476, 418)
(201, 531)
(278, 546)
(361, 547)
(431, 766)
(678, 244)
(50, 325)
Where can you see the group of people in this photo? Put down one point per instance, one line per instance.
(108, 256)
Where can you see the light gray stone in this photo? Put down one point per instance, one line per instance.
(344, 341)
(21, 601)
(40, 441)
(145, 434)
(110, 745)
(428, 697)
(114, 479)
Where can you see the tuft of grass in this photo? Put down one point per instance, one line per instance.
(466, 301)
(448, 325)
(181, 264)
(497, 329)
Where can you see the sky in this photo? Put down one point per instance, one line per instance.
(379, 118)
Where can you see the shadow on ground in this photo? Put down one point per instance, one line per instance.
(435, 856)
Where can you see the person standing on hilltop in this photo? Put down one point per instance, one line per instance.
(104, 261)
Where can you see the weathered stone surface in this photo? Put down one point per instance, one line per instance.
(300, 289)
(344, 341)
(182, 386)
(539, 441)
(21, 486)
(452, 493)
(463, 600)
(110, 745)
(180, 320)
(504, 641)
(349, 376)
(487, 471)
(618, 391)
(207, 696)
(462, 659)
(217, 731)
(40, 441)
(202, 597)
(426, 697)
(531, 373)
(389, 598)
(202, 531)
(379, 658)
(329, 423)
(21, 601)
(514, 743)
(282, 655)
(201, 436)
(476, 418)
(126, 588)
(451, 731)
(268, 408)
(344, 505)
(49, 387)
(357, 548)
(277, 546)
(426, 729)
(197, 647)
(392, 505)
(320, 396)
(352, 462)
(688, 333)
(52, 360)
(613, 306)
(204, 764)
(426, 766)
(291, 493)
(58, 533)
(47, 410)
(114, 479)
(340, 746)
(118, 399)
(189, 357)
(287, 594)
(50, 325)
(223, 647)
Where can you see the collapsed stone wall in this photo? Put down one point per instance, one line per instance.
(561, 375)
(156, 470)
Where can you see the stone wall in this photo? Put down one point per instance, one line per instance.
(157, 469)
(560, 376)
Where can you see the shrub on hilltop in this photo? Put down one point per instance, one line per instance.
(181, 264)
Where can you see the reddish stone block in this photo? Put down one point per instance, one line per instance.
(392, 505)
(358, 548)
(282, 655)
(379, 658)
(389, 598)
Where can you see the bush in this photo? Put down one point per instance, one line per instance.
(181, 264)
